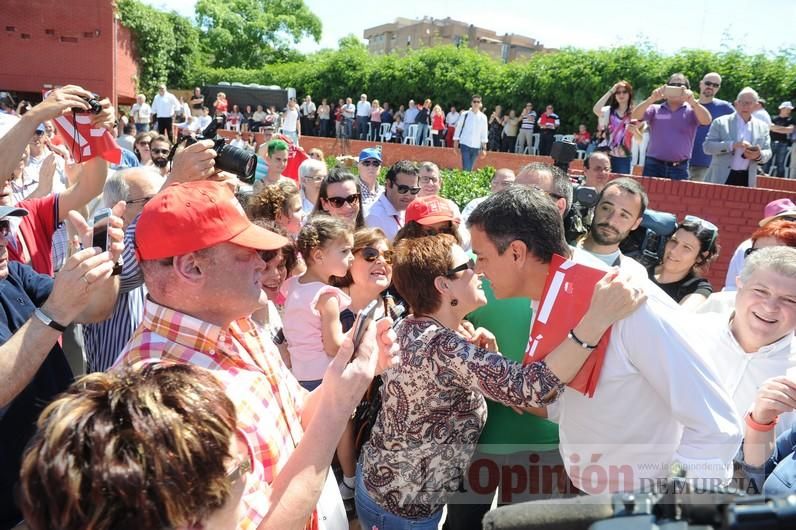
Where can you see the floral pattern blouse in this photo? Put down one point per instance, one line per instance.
(433, 411)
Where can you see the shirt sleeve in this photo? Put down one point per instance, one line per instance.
(676, 372)
(37, 286)
(649, 114)
(757, 475)
(500, 379)
(484, 129)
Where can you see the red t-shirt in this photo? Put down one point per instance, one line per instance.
(37, 229)
(438, 122)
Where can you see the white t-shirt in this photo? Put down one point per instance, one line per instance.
(142, 113)
(289, 120)
(165, 106)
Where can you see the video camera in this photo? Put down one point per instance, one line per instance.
(647, 243)
(235, 160)
(674, 507)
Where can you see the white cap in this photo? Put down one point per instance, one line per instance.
(786, 105)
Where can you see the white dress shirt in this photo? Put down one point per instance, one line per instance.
(742, 373)
(470, 206)
(382, 214)
(363, 108)
(657, 402)
(744, 133)
(165, 106)
(471, 129)
(736, 264)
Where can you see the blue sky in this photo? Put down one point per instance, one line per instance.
(668, 25)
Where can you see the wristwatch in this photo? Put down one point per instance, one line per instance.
(47, 321)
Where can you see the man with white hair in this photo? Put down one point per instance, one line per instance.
(708, 88)
(738, 142)
(363, 116)
(311, 174)
(142, 114)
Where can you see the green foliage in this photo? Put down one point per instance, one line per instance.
(462, 186)
(252, 33)
(166, 45)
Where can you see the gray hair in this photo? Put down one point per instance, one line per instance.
(310, 167)
(116, 188)
(748, 90)
(781, 260)
(429, 166)
(562, 186)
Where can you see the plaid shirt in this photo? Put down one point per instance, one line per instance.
(267, 398)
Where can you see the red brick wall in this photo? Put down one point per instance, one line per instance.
(79, 50)
(736, 211)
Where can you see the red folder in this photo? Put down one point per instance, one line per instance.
(565, 299)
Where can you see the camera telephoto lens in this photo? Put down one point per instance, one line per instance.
(238, 161)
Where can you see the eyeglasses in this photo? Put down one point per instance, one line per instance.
(5, 228)
(142, 144)
(704, 225)
(676, 84)
(159, 151)
(371, 163)
(242, 467)
(429, 180)
(371, 254)
(141, 200)
(403, 189)
(556, 196)
(314, 178)
(338, 202)
(711, 83)
(470, 265)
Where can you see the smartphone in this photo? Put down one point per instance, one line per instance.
(100, 228)
(673, 91)
(363, 319)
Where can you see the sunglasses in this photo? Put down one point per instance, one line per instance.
(403, 189)
(5, 227)
(555, 196)
(704, 225)
(159, 151)
(676, 84)
(371, 163)
(470, 265)
(711, 83)
(338, 202)
(621, 92)
(241, 468)
(749, 251)
(141, 200)
(371, 254)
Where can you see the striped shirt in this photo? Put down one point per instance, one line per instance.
(103, 341)
(267, 398)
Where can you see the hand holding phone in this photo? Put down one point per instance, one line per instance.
(670, 91)
(364, 318)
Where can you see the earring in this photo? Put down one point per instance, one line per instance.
(454, 302)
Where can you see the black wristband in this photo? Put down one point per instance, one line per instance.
(47, 321)
(582, 344)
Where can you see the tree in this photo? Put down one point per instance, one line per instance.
(252, 33)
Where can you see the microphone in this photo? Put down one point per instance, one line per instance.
(576, 513)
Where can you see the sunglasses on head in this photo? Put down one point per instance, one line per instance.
(371, 163)
(469, 265)
(704, 225)
(403, 189)
(338, 202)
(371, 254)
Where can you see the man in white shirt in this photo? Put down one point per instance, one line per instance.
(658, 406)
(402, 186)
(363, 116)
(470, 136)
(164, 106)
(308, 115)
(619, 211)
(750, 333)
(783, 209)
(142, 114)
(291, 126)
(502, 179)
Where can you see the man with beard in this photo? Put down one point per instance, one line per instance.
(160, 146)
(619, 211)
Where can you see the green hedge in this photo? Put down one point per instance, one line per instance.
(571, 79)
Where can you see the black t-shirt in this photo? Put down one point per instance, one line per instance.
(782, 122)
(20, 293)
(689, 285)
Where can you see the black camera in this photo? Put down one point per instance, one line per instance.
(235, 160)
(94, 106)
(647, 243)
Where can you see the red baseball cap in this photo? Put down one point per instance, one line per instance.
(187, 217)
(430, 210)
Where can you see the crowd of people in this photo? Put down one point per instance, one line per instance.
(218, 325)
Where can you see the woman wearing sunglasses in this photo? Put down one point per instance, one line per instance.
(141, 148)
(339, 197)
(367, 280)
(434, 406)
(779, 233)
(687, 255)
(613, 112)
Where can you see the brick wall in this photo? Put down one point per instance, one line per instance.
(52, 42)
(736, 211)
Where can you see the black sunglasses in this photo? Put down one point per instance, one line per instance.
(403, 189)
(461, 268)
(136, 201)
(160, 151)
(711, 83)
(371, 163)
(676, 84)
(338, 202)
(371, 254)
(749, 251)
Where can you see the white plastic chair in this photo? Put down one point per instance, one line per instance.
(581, 154)
(410, 133)
(535, 144)
(568, 138)
(557, 137)
(385, 132)
(429, 141)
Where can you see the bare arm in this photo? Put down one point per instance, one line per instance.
(775, 396)
(598, 107)
(46, 178)
(641, 108)
(89, 185)
(331, 330)
(702, 114)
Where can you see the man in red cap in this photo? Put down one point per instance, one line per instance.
(201, 260)
(783, 209)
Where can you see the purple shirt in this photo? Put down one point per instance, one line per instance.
(671, 133)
